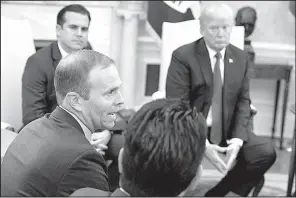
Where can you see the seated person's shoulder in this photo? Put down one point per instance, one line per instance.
(238, 52)
(185, 49)
(42, 55)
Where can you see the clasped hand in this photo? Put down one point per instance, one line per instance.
(213, 154)
(100, 140)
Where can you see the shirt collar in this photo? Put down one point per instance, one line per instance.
(63, 52)
(212, 52)
(86, 130)
(122, 190)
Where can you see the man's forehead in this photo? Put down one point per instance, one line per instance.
(105, 76)
(74, 17)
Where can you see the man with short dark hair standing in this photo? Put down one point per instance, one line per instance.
(52, 155)
(38, 93)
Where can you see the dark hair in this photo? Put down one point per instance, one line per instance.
(245, 9)
(73, 70)
(164, 146)
(72, 8)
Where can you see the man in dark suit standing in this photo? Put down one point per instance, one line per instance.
(162, 154)
(38, 94)
(212, 75)
(52, 155)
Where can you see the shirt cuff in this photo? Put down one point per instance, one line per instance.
(238, 141)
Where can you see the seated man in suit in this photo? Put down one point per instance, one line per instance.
(162, 154)
(38, 92)
(52, 155)
(212, 75)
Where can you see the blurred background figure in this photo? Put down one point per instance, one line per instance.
(247, 17)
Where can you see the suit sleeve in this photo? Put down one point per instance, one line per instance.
(88, 170)
(178, 78)
(242, 114)
(33, 91)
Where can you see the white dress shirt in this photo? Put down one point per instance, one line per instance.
(86, 130)
(63, 52)
(212, 54)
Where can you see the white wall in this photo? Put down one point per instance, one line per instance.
(14, 53)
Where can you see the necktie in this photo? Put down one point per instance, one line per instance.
(216, 130)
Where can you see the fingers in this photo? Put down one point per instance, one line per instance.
(231, 161)
(220, 165)
(100, 148)
(101, 152)
(96, 142)
(220, 149)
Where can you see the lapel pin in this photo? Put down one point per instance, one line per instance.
(230, 60)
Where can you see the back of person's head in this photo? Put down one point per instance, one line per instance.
(72, 72)
(163, 150)
(77, 8)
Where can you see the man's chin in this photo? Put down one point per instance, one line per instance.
(77, 47)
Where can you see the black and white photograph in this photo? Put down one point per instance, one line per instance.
(148, 99)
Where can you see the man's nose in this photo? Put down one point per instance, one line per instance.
(79, 32)
(220, 32)
(119, 100)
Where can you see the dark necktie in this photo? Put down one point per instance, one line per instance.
(216, 130)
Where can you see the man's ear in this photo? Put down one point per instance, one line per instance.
(120, 158)
(58, 29)
(74, 100)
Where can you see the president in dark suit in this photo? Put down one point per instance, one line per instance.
(212, 75)
(38, 93)
(53, 156)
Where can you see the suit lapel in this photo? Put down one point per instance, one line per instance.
(56, 54)
(205, 62)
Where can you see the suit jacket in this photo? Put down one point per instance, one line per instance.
(91, 192)
(52, 157)
(190, 77)
(38, 94)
